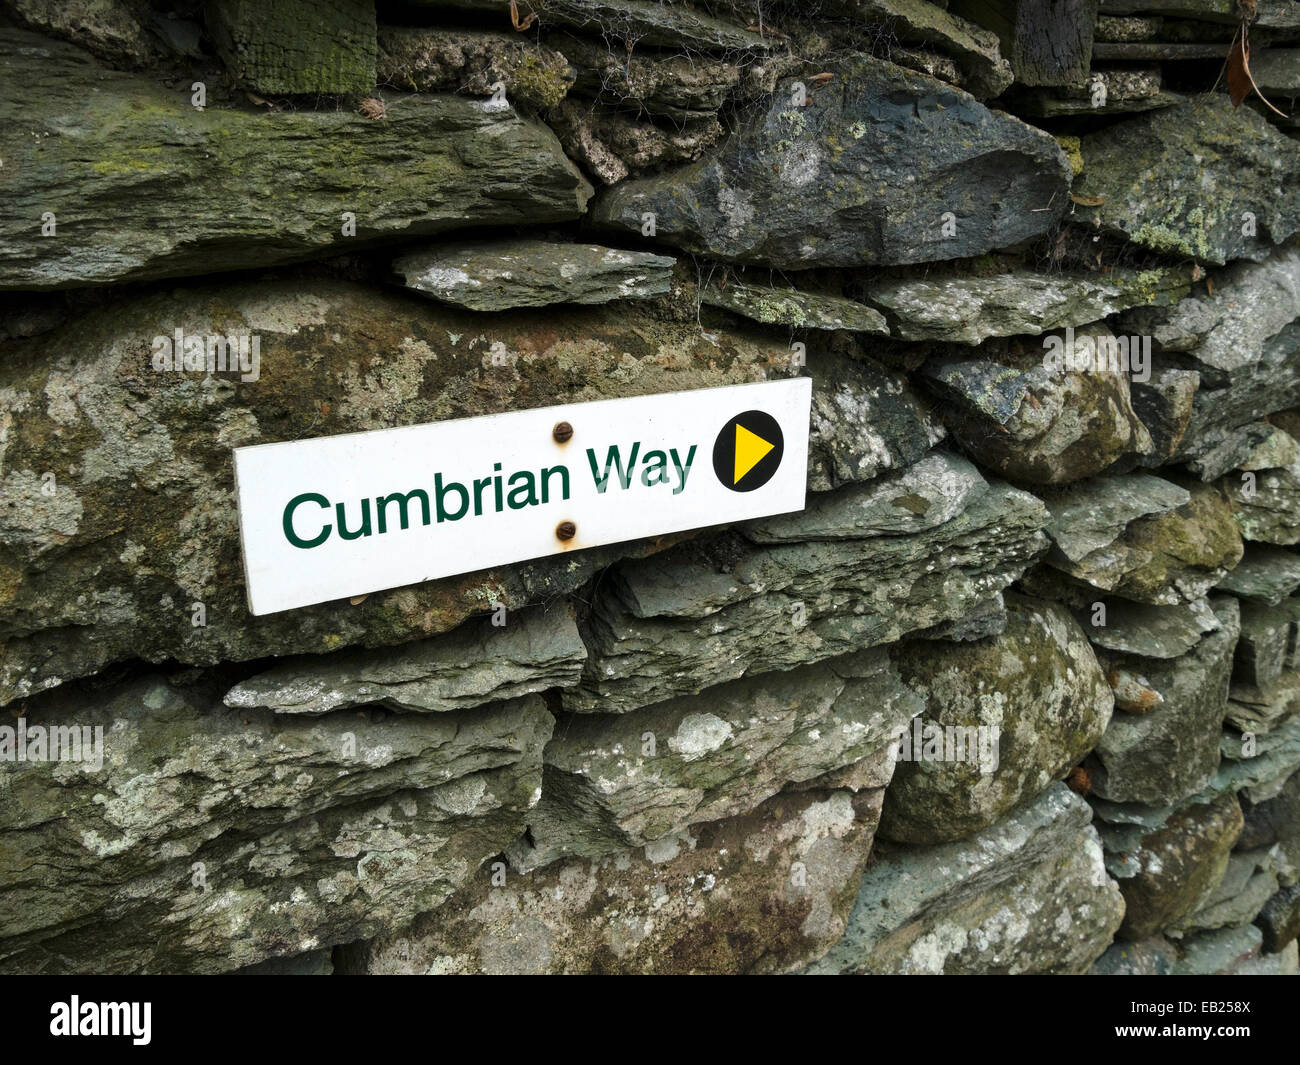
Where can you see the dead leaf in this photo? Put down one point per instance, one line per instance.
(1239, 69)
(818, 80)
(1087, 201)
(1240, 80)
(1209, 285)
(357, 600)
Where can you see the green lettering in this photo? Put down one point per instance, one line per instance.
(294, 504)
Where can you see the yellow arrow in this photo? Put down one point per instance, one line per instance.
(750, 449)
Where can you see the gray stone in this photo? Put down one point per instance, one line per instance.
(149, 187)
(705, 613)
(1277, 71)
(1036, 687)
(865, 420)
(332, 49)
(1165, 558)
(1267, 505)
(1026, 895)
(1146, 168)
(618, 781)
(212, 839)
(1165, 404)
(1249, 882)
(984, 72)
(1171, 751)
(860, 175)
(969, 310)
(505, 274)
(1230, 331)
(1091, 515)
(1151, 957)
(1261, 709)
(760, 892)
(1258, 764)
(791, 307)
(477, 663)
(1034, 423)
(1274, 819)
(313, 963)
(1279, 919)
(1264, 574)
(1267, 634)
(114, 30)
(1221, 953)
(1150, 631)
(1169, 865)
(913, 500)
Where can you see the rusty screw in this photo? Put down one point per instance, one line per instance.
(566, 530)
(562, 432)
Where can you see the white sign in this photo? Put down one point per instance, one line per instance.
(343, 515)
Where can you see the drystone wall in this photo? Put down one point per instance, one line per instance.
(1017, 692)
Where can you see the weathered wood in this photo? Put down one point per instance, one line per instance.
(1048, 42)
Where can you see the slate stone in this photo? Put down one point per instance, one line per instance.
(618, 781)
(505, 274)
(1265, 575)
(1035, 423)
(969, 310)
(860, 175)
(1150, 631)
(212, 839)
(703, 614)
(1172, 751)
(1178, 180)
(1167, 870)
(533, 651)
(1026, 895)
(763, 892)
(142, 185)
(790, 307)
(1166, 558)
(1093, 514)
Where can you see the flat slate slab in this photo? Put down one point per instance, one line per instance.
(499, 275)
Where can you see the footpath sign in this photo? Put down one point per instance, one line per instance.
(345, 515)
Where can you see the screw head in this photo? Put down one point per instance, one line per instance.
(566, 530)
(562, 432)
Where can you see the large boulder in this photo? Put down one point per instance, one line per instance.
(1036, 689)
(864, 173)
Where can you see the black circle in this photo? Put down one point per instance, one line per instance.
(762, 425)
